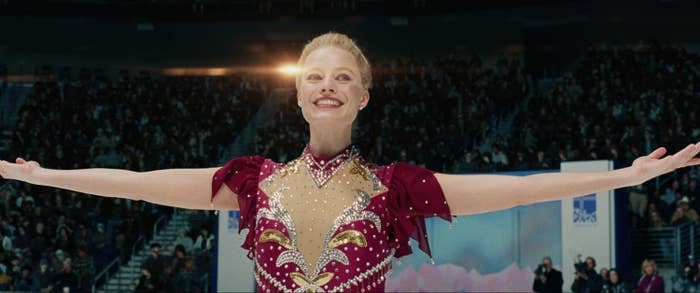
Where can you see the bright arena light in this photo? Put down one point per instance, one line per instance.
(289, 69)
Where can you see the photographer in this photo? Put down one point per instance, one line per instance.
(587, 280)
(547, 279)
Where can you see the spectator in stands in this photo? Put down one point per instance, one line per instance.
(84, 267)
(694, 194)
(5, 280)
(498, 157)
(24, 197)
(178, 259)
(39, 241)
(154, 263)
(100, 239)
(83, 238)
(187, 280)
(614, 284)
(656, 221)
(587, 281)
(680, 217)
(677, 197)
(57, 260)
(6, 242)
(692, 214)
(660, 206)
(184, 240)
(203, 240)
(43, 278)
(466, 164)
(673, 193)
(638, 204)
(146, 283)
(66, 280)
(25, 281)
(520, 163)
(63, 240)
(542, 162)
(167, 279)
(650, 282)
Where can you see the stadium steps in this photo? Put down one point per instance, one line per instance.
(668, 272)
(267, 110)
(127, 278)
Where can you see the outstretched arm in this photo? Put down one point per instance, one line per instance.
(471, 194)
(183, 188)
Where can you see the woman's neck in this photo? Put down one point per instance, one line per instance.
(326, 142)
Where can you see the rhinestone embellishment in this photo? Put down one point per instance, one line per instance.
(323, 171)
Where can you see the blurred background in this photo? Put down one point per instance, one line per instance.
(465, 87)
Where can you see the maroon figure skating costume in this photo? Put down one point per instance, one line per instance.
(330, 223)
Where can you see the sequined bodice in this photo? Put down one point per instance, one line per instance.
(332, 224)
(328, 234)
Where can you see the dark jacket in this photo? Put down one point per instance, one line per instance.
(594, 284)
(620, 287)
(552, 284)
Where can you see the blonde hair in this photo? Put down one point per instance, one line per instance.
(340, 41)
(646, 263)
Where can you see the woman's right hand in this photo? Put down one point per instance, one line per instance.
(21, 170)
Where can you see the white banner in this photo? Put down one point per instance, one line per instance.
(587, 224)
(234, 268)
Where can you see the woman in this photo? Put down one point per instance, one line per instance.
(614, 284)
(650, 282)
(371, 210)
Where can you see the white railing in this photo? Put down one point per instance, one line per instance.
(105, 273)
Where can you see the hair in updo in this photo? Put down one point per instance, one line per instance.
(341, 41)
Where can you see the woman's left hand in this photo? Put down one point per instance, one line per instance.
(652, 165)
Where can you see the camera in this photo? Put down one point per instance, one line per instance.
(579, 265)
(540, 270)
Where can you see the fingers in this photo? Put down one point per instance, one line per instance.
(684, 157)
(20, 161)
(658, 153)
(694, 150)
(687, 153)
(692, 162)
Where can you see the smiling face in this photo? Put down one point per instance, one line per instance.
(330, 90)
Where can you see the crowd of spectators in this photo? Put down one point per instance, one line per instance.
(73, 119)
(618, 103)
(184, 270)
(457, 99)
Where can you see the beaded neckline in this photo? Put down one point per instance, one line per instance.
(321, 169)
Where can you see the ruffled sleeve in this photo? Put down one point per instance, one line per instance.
(415, 194)
(241, 175)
